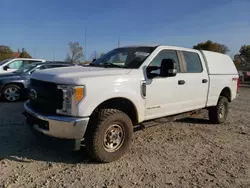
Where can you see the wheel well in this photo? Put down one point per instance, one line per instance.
(14, 83)
(122, 104)
(226, 92)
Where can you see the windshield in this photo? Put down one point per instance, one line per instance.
(4, 61)
(130, 57)
(26, 68)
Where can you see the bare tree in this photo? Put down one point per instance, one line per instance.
(76, 53)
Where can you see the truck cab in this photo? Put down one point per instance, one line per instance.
(128, 86)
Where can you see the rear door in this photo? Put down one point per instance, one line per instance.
(196, 80)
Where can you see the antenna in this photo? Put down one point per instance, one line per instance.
(35, 52)
(118, 42)
(85, 43)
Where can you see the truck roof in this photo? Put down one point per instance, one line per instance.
(157, 45)
(217, 63)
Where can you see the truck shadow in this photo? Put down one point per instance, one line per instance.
(52, 152)
(194, 120)
(47, 150)
(19, 144)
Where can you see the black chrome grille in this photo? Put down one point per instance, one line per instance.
(48, 99)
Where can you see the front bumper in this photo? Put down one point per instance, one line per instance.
(56, 126)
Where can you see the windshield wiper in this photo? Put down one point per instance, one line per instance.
(92, 64)
(111, 65)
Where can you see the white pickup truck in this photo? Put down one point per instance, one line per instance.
(101, 103)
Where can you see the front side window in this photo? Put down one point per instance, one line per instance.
(16, 64)
(164, 54)
(26, 68)
(193, 62)
(130, 57)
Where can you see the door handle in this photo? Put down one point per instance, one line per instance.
(204, 81)
(181, 82)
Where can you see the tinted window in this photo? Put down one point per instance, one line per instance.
(193, 62)
(26, 68)
(26, 62)
(54, 66)
(165, 54)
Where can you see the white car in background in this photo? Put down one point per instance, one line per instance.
(11, 65)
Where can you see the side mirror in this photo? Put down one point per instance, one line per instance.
(168, 68)
(32, 71)
(93, 60)
(6, 67)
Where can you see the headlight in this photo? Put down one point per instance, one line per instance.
(72, 96)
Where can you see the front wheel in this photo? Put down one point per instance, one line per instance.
(218, 114)
(11, 93)
(109, 135)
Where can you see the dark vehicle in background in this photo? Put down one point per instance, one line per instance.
(244, 76)
(12, 85)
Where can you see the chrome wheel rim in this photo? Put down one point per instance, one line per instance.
(12, 94)
(113, 138)
(222, 111)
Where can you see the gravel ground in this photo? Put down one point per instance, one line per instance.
(186, 153)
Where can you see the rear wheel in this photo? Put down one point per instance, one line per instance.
(109, 135)
(11, 93)
(218, 114)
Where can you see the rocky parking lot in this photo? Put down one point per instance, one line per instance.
(186, 153)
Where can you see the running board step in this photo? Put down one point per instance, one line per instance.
(169, 119)
(149, 124)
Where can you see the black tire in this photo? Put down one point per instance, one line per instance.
(100, 124)
(218, 115)
(15, 87)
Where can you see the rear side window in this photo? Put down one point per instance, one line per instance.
(27, 62)
(193, 62)
(54, 66)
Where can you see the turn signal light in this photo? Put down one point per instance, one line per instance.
(79, 93)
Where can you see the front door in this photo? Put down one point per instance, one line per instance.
(164, 95)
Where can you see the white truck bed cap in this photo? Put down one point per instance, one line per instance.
(218, 63)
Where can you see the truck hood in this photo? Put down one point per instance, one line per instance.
(72, 75)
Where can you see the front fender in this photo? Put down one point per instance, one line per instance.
(3, 83)
(86, 107)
